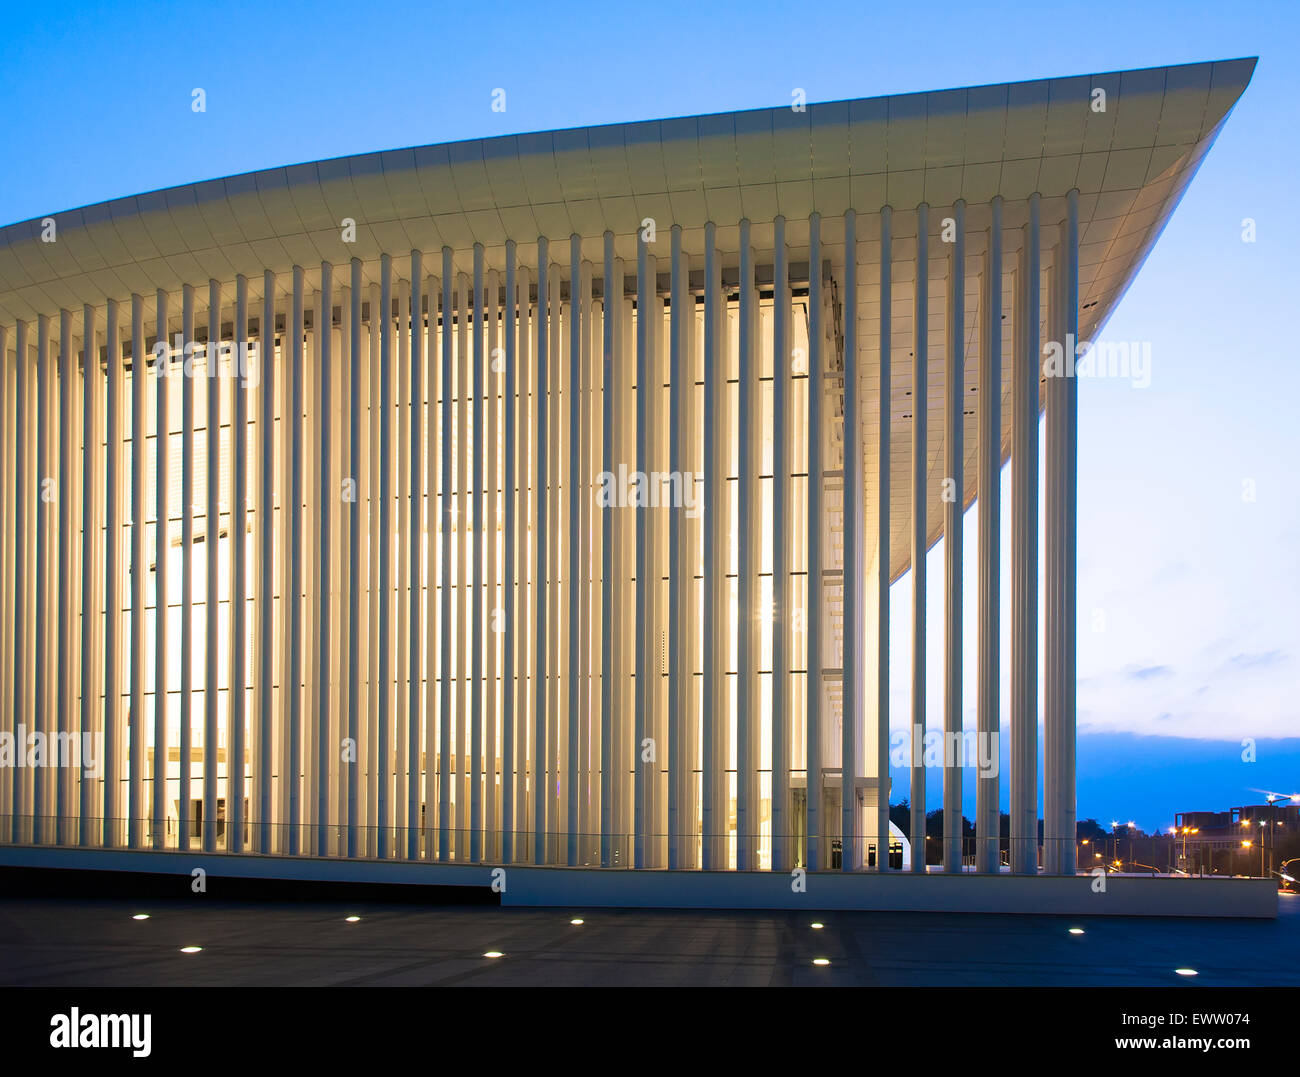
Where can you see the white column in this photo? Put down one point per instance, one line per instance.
(293, 671)
(492, 532)
(235, 747)
(383, 762)
(575, 509)
(713, 763)
(136, 714)
(464, 567)
(920, 465)
(265, 566)
(475, 578)
(816, 529)
(111, 834)
(415, 554)
(355, 572)
(211, 544)
(92, 568)
(323, 331)
(433, 575)
(854, 657)
(162, 361)
(988, 824)
(781, 605)
(8, 717)
(1069, 541)
(680, 575)
(954, 460)
(401, 565)
(609, 625)
(61, 591)
(512, 680)
(1060, 545)
(540, 546)
(1024, 556)
(748, 559)
(885, 420)
(187, 566)
(645, 292)
(447, 528)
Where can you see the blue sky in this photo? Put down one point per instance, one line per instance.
(1196, 590)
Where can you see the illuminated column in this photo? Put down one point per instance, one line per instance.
(402, 536)
(920, 464)
(816, 527)
(40, 796)
(714, 853)
(433, 575)
(92, 567)
(162, 428)
(112, 561)
(885, 419)
(1060, 553)
(955, 453)
(988, 823)
(369, 746)
(679, 574)
(575, 510)
(9, 581)
(609, 623)
(321, 720)
(188, 376)
(644, 295)
(60, 592)
(45, 493)
(748, 518)
(383, 761)
(524, 439)
(211, 544)
(448, 526)
(266, 718)
(854, 657)
(492, 531)
(1069, 541)
(10, 585)
(512, 682)
(475, 577)
(236, 766)
(540, 548)
(355, 578)
(781, 606)
(1024, 556)
(588, 721)
(464, 573)
(136, 714)
(415, 403)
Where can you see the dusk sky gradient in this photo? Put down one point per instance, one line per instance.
(1189, 595)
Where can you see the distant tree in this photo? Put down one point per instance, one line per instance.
(1090, 830)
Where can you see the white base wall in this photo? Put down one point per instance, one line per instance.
(623, 888)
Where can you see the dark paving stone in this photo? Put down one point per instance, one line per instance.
(94, 943)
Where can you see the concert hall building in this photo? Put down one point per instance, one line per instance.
(535, 500)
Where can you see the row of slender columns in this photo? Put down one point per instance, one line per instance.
(502, 659)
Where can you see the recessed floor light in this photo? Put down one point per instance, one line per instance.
(818, 927)
(351, 919)
(1076, 931)
(191, 949)
(494, 953)
(821, 961)
(140, 916)
(577, 920)
(1186, 972)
